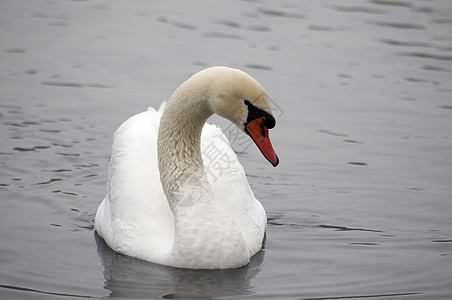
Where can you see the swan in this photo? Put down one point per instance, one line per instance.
(163, 204)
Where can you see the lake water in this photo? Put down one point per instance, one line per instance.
(360, 206)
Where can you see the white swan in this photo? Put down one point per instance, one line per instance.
(163, 204)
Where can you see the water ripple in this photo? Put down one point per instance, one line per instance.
(49, 181)
(359, 9)
(406, 43)
(223, 35)
(344, 228)
(426, 55)
(74, 84)
(391, 3)
(364, 296)
(33, 149)
(280, 13)
(19, 288)
(258, 67)
(398, 25)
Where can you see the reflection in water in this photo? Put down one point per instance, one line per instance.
(133, 278)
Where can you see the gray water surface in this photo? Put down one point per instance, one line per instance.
(360, 205)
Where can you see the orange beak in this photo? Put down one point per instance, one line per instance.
(259, 133)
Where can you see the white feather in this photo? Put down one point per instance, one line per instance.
(221, 230)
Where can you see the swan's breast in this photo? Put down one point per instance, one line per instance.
(206, 237)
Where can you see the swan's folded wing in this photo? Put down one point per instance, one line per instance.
(138, 214)
(230, 185)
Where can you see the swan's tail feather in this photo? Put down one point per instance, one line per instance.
(162, 107)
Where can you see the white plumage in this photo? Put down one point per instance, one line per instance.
(203, 219)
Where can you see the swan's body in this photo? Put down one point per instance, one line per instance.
(165, 205)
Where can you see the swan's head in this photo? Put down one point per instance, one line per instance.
(238, 97)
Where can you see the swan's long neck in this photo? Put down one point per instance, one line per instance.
(179, 147)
